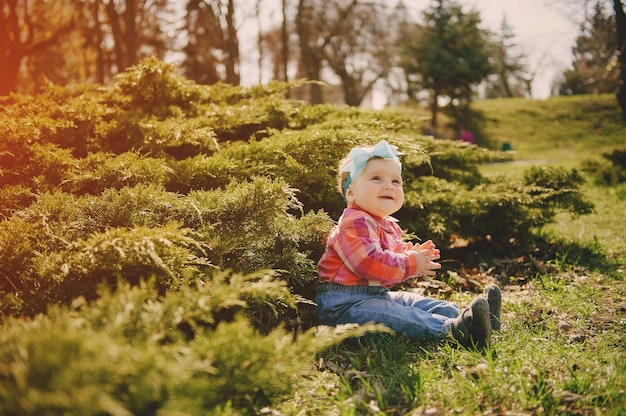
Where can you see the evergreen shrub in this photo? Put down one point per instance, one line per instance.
(100, 171)
(503, 211)
(454, 162)
(152, 87)
(608, 174)
(13, 198)
(25, 159)
(289, 156)
(189, 351)
(64, 246)
(165, 157)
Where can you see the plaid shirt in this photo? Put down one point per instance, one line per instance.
(364, 250)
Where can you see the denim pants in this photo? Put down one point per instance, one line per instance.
(419, 317)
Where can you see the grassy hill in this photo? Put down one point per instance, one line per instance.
(564, 131)
(561, 131)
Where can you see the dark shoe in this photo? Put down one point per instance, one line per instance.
(494, 298)
(472, 328)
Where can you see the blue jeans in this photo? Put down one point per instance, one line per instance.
(405, 312)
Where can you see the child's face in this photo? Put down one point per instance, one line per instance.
(378, 188)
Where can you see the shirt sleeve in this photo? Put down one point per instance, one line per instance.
(359, 247)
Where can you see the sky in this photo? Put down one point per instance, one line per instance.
(543, 33)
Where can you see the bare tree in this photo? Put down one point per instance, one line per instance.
(285, 42)
(356, 40)
(212, 49)
(257, 12)
(135, 30)
(69, 41)
(94, 38)
(26, 29)
(315, 29)
(511, 75)
(364, 49)
(205, 43)
(232, 46)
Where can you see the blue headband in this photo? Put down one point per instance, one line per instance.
(360, 156)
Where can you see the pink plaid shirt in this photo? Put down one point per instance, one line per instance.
(364, 250)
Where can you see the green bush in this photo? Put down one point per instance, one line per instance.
(454, 162)
(40, 167)
(253, 204)
(257, 200)
(13, 198)
(65, 117)
(152, 87)
(64, 246)
(608, 174)
(18, 248)
(101, 171)
(168, 253)
(134, 352)
(288, 156)
(503, 211)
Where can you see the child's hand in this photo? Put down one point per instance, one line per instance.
(425, 253)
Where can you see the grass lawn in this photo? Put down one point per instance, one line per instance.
(562, 131)
(562, 346)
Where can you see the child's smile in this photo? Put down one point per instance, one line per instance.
(378, 188)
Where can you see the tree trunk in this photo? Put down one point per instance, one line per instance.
(9, 58)
(9, 68)
(232, 47)
(620, 22)
(350, 90)
(259, 41)
(285, 41)
(118, 36)
(131, 35)
(434, 109)
(100, 69)
(310, 61)
(14, 46)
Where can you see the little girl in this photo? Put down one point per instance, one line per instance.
(365, 256)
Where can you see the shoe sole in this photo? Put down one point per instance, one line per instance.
(480, 331)
(494, 298)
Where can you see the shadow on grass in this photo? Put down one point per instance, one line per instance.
(592, 256)
(519, 263)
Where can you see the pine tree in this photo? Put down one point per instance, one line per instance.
(448, 55)
(595, 66)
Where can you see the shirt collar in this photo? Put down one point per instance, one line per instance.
(356, 210)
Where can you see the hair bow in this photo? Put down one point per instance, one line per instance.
(359, 156)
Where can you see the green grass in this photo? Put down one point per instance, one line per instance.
(603, 228)
(561, 349)
(561, 131)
